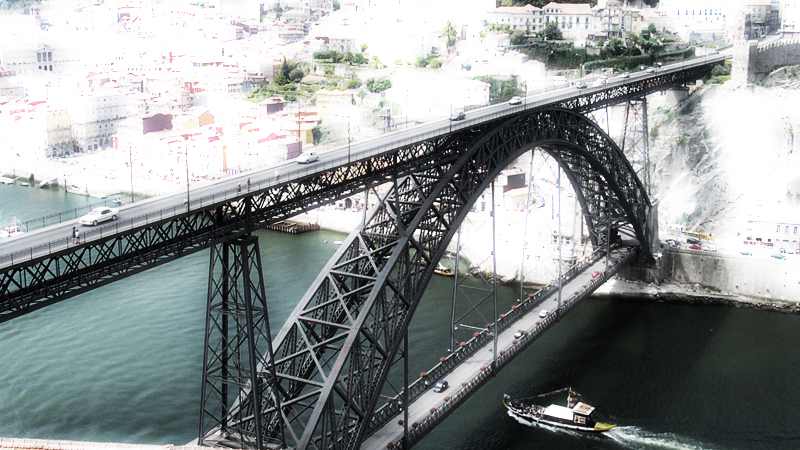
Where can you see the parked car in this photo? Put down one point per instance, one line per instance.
(544, 313)
(519, 334)
(779, 256)
(515, 100)
(440, 386)
(581, 85)
(695, 247)
(307, 158)
(595, 274)
(458, 116)
(693, 241)
(99, 214)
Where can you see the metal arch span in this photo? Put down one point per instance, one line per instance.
(333, 355)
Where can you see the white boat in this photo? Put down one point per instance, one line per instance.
(441, 269)
(13, 230)
(576, 415)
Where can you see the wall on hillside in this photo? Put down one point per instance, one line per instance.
(751, 61)
(744, 275)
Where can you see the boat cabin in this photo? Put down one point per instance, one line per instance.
(580, 415)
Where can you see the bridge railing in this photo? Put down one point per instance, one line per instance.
(418, 430)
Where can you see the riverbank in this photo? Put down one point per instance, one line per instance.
(669, 291)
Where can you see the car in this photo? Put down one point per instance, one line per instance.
(650, 70)
(745, 253)
(710, 248)
(544, 313)
(458, 116)
(307, 158)
(693, 241)
(519, 334)
(625, 75)
(595, 274)
(99, 214)
(779, 256)
(440, 386)
(515, 100)
(598, 83)
(695, 247)
(581, 85)
(783, 250)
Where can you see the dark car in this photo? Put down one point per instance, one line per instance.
(458, 116)
(693, 241)
(440, 386)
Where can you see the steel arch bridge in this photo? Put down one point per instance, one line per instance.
(333, 357)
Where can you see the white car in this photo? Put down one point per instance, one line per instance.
(515, 100)
(307, 158)
(100, 214)
(544, 313)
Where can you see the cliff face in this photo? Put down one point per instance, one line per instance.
(726, 154)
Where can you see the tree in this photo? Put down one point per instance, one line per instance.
(379, 85)
(347, 57)
(435, 64)
(354, 84)
(358, 58)
(422, 62)
(451, 34)
(616, 47)
(281, 80)
(316, 135)
(552, 32)
(364, 47)
(652, 29)
(336, 6)
(296, 75)
(518, 37)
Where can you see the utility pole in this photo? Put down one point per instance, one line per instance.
(186, 157)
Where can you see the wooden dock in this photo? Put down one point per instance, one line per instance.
(294, 227)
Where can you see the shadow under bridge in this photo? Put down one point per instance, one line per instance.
(328, 366)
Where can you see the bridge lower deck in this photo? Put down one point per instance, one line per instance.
(430, 408)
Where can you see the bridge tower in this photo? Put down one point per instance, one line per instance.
(238, 364)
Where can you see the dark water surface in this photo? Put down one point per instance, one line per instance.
(122, 363)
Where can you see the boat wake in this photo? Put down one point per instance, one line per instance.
(637, 438)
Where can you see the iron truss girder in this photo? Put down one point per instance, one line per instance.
(49, 276)
(613, 95)
(334, 354)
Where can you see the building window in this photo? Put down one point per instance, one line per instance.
(795, 230)
(786, 230)
(779, 229)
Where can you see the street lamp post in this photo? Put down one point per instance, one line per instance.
(186, 157)
(130, 163)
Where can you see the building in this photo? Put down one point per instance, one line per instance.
(95, 115)
(573, 18)
(29, 59)
(790, 17)
(527, 18)
(58, 127)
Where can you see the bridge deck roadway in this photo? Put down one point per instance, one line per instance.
(469, 371)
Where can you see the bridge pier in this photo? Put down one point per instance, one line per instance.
(238, 344)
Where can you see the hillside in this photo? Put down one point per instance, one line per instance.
(726, 154)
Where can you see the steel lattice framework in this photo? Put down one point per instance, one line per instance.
(334, 354)
(54, 276)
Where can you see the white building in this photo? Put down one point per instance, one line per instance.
(573, 19)
(527, 18)
(95, 115)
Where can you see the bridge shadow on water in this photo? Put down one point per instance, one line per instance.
(627, 358)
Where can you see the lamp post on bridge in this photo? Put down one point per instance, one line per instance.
(186, 158)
